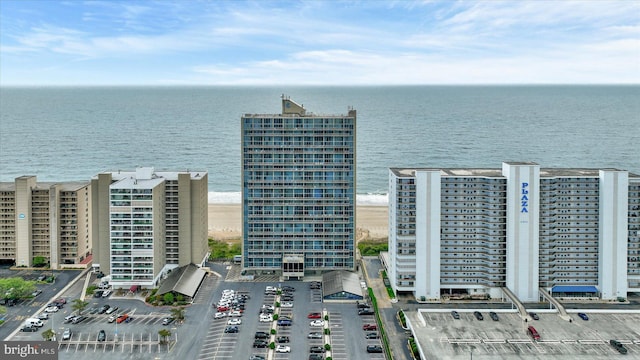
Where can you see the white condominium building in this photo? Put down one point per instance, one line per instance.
(147, 223)
(473, 231)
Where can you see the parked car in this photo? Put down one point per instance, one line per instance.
(69, 318)
(43, 316)
(583, 316)
(61, 301)
(106, 293)
(223, 308)
(286, 304)
(618, 346)
(494, 316)
(36, 293)
(282, 339)
(316, 349)
(316, 357)
(231, 329)
(266, 318)
(284, 322)
(286, 298)
(365, 311)
(167, 320)
(374, 348)
(314, 335)
(102, 336)
(478, 315)
(283, 349)
(111, 310)
(372, 335)
(261, 335)
(235, 313)
(103, 309)
(316, 323)
(122, 318)
(256, 357)
(260, 344)
(29, 329)
(534, 316)
(219, 315)
(370, 327)
(66, 335)
(78, 319)
(314, 315)
(455, 314)
(51, 309)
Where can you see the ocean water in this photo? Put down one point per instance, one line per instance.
(73, 133)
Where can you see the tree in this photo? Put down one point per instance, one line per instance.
(39, 261)
(79, 305)
(48, 335)
(177, 313)
(164, 334)
(16, 288)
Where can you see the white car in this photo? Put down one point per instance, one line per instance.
(317, 323)
(228, 291)
(106, 293)
(269, 307)
(266, 318)
(51, 309)
(286, 305)
(219, 315)
(235, 314)
(43, 316)
(66, 335)
(283, 349)
(234, 322)
(112, 318)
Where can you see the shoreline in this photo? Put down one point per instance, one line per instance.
(225, 222)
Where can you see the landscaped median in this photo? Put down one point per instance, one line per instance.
(327, 335)
(383, 334)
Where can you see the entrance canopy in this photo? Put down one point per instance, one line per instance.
(574, 289)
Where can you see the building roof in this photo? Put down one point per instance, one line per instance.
(497, 172)
(184, 280)
(338, 281)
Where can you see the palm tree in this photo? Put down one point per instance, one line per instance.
(79, 305)
(164, 334)
(178, 313)
(48, 335)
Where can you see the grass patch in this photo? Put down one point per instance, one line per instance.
(224, 250)
(372, 248)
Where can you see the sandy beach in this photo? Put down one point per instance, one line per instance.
(225, 222)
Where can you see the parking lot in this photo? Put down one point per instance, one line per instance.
(201, 336)
(443, 337)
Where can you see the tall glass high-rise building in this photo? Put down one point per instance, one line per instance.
(298, 195)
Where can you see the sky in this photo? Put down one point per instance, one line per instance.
(192, 42)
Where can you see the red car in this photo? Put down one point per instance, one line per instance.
(223, 308)
(314, 316)
(370, 327)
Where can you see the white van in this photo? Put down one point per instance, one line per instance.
(34, 322)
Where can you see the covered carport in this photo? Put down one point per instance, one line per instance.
(185, 280)
(341, 285)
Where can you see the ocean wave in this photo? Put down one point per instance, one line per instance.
(233, 197)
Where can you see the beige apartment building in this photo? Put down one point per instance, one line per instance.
(47, 219)
(147, 223)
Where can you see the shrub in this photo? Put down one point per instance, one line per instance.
(326, 318)
(272, 345)
(327, 347)
(275, 316)
(273, 331)
(168, 298)
(327, 331)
